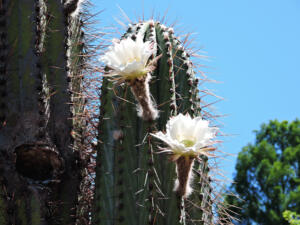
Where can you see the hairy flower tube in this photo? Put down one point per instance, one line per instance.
(128, 60)
(187, 138)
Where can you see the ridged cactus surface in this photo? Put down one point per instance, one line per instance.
(40, 108)
(44, 140)
(134, 183)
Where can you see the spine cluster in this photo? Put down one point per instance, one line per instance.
(3, 63)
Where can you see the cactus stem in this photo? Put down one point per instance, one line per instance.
(151, 183)
(41, 84)
(3, 65)
(171, 77)
(173, 86)
(71, 6)
(182, 218)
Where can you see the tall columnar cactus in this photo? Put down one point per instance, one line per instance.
(43, 127)
(41, 42)
(134, 184)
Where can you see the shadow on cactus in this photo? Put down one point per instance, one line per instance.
(149, 80)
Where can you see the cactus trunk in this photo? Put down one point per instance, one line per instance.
(39, 78)
(134, 184)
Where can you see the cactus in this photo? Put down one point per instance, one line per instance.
(44, 126)
(134, 184)
(41, 45)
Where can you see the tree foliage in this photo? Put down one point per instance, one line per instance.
(267, 178)
(292, 217)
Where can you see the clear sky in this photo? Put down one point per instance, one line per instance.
(254, 49)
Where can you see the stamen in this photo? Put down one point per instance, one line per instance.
(188, 143)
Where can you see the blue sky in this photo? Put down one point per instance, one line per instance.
(254, 50)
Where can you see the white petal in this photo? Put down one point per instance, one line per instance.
(120, 53)
(133, 67)
(181, 127)
(112, 59)
(128, 57)
(201, 144)
(175, 125)
(163, 137)
(200, 128)
(195, 131)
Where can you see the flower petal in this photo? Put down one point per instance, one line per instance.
(188, 136)
(128, 58)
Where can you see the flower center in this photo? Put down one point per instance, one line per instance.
(136, 59)
(135, 74)
(188, 143)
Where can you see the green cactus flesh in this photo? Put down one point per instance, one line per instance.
(3, 215)
(133, 184)
(40, 105)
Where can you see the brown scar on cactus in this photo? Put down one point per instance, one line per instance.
(38, 161)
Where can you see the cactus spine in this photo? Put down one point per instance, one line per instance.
(134, 185)
(40, 111)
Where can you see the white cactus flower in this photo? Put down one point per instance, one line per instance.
(128, 59)
(187, 136)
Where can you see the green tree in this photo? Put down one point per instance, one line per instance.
(292, 217)
(267, 175)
